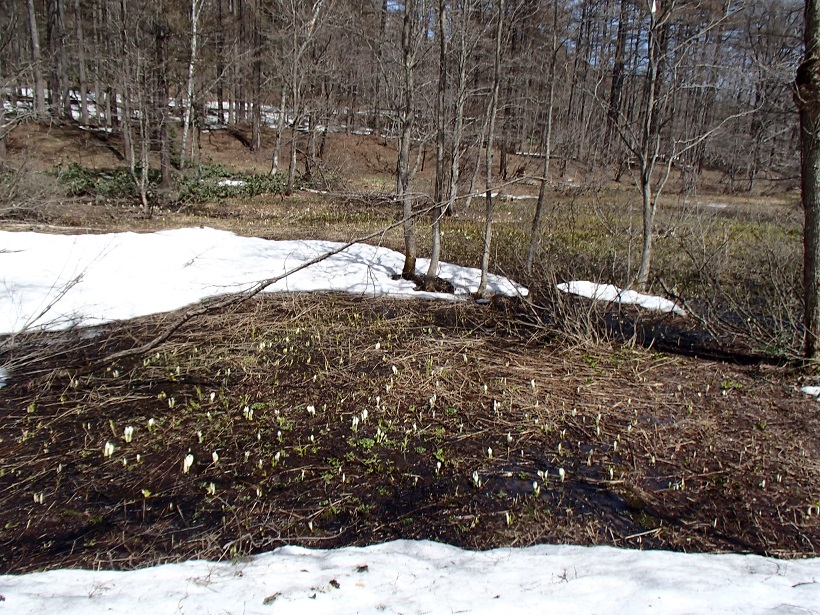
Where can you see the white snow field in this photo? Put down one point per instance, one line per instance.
(412, 577)
(55, 281)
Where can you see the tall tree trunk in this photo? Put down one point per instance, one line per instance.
(807, 97)
(406, 113)
(649, 147)
(62, 60)
(220, 63)
(55, 40)
(280, 128)
(377, 94)
(438, 193)
(493, 111)
(161, 102)
(196, 9)
(477, 168)
(294, 131)
(256, 84)
(101, 113)
(125, 76)
(78, 18)
(37, 61)
(461, 99)
(547, 138)
(614, 108)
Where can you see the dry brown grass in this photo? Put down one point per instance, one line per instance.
(657, 451)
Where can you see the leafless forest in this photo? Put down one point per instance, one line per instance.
(644, 92)
(588, 81)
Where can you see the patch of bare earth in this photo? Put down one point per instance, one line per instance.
(325, 421)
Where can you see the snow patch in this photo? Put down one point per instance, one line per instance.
(426, 577)
(814, 391)
(58, 281)
(609, 292)
(234, 183)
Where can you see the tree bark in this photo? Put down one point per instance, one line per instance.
(648, 153)
(161, 102)
(196, 9)
(542, 190)
(78, 17)
(438, 192)
(807, 98)
(493, 111)
(37, 60)
(406, 113)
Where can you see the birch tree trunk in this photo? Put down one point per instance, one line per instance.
(196, 9)
(438, 193)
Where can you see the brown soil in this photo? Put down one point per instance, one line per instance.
(343, 422)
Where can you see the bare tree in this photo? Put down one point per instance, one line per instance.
(412, 37)
(83, 78)
(162, 117)
(196, 12)
(37, 61)
(807, 98)
(651, 135)
(301, 30)
(547, 141)
(466, 41)
(438, 192)
(492, 112)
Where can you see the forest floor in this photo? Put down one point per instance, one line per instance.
(343, 421)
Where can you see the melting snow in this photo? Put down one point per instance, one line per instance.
(814, 391)
(426, 577)
(56, 281)
(608, 292)
(230, 182)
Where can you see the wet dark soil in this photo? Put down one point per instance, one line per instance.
(329, 421)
